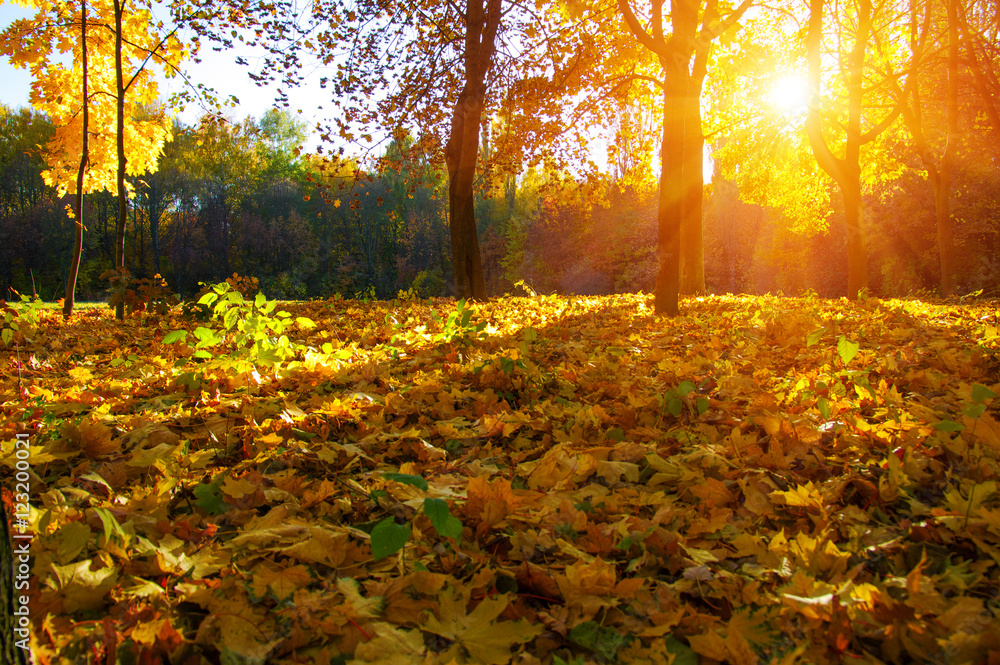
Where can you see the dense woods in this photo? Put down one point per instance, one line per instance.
(240, 197)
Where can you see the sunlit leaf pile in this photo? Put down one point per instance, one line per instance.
(532, 480)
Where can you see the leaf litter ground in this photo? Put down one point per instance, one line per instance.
(758, 480)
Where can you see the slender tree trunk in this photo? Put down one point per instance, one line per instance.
(74, 269)
(670, 210)
(120, 133)
(154, 224)
(939, 174)
(942, 194)
(10, 652)
(692, 265)
(846, 171)
(692, 238)
(462, 150)
(857, 255)
(141, 272)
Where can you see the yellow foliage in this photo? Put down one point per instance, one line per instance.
(44, 43)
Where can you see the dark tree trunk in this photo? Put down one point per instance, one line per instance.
(670, 209)
(462, 150)
(938, 173)
(942, 193)
(845, 171)
(675, 59)
(74, 269)
(681, 155)
(10, 651)
(692, 237)
(120, 132)
(154, 237)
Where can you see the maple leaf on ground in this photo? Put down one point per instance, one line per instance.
(391, 645)
(589, 586)
(238, 628)
(746, 631)
(80, 586)
(477, 637)
(280, 581)
(489, 502)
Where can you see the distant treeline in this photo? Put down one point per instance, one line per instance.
(239, 197)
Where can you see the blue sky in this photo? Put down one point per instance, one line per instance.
(218, 70)
(16, 82)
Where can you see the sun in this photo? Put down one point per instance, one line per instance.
(790, 94)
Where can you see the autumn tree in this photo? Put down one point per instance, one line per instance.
(22, 191)
(80, 159)
(682, 55)
(138, 43)
(980, 31)
(29, 43)
(440, 70)
(935, 136)
(850, 105)
(762, 155)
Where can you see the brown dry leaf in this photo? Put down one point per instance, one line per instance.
(589, 586)
(281, 581)
(93, 437)
(489, 502)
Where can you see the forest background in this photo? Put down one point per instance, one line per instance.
(231, 195)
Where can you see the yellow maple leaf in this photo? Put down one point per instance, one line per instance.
(806, 496)
(391, 645)
(82, 587)
(589, 586)
(81, 375)
(238, 487)
(319, 545)
(281, 581)
(490, 501)
(477, 636)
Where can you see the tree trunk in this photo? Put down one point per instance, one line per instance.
(675, 60)
(462, 150)
(74, 269)
(120, 133)
(939, 174)
(692, 239)
(670, 210)
(846, 171)
(10, 652)
(692, 265)
(857, 256)
(154, 238)
(942, 194)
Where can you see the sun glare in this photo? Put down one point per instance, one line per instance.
(790, 94)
